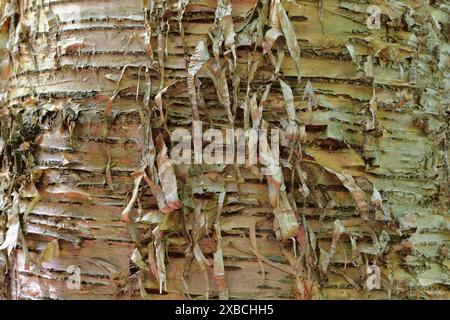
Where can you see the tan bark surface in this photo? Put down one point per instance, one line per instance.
(89, 90)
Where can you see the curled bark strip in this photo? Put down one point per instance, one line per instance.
(196, 61)
(160, 253)
(203, 263)
(218, 76)
(159, 194)
(219, 273)
(167, 175)
(290, 36)
(281, 267)
(159, 103)
(255, 248)
(358, 195)
(13, 232)
(290, 108)
(129, 207)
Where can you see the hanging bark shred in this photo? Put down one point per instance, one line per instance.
(167, 175)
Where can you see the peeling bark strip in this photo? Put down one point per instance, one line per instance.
(92, 206)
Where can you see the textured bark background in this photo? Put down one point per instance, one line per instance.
(89, 89)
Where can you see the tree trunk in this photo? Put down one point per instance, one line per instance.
(92, 207)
